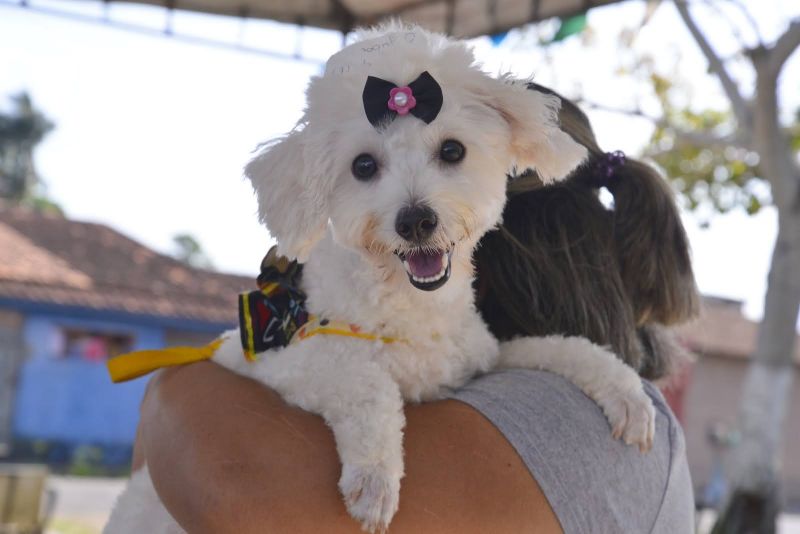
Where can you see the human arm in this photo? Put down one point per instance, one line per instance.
(228, 455)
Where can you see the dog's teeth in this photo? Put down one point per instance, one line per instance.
(428, 279)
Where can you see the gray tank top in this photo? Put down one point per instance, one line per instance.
(594, 484)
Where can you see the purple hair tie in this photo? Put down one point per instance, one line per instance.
(605, 168)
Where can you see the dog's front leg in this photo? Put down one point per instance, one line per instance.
(362, 404)
(606, 379)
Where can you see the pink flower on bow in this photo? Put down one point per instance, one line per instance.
(401, 100)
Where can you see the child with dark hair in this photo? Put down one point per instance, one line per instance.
(513, 450)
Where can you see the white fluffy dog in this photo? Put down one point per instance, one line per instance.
(384, 198)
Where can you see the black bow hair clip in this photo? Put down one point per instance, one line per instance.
(383, 100)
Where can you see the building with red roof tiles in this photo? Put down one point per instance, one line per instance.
(73, 294)
(707, 397)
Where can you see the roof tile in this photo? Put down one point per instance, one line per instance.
(53, 260)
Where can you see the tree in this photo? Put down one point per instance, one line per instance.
(189, 251)
(740, 156)
(21, 131)
(769, 153)
(745, 157)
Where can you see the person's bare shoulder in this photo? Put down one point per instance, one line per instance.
(228, 455)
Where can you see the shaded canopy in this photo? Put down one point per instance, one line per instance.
(461, 18)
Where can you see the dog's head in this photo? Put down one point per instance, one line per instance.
(406, 189)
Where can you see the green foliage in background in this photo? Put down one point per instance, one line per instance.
(711, 165)
(22, 129)
(188, 250)
(699, 152)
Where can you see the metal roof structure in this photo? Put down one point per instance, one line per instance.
(461, 18)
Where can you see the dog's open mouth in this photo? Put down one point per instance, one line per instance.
(427, 270)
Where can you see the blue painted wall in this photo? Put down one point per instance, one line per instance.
(73, 400)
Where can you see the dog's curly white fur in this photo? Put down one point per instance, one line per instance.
(344, 229)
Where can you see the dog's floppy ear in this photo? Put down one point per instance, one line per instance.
(292, 195)
(537, 141)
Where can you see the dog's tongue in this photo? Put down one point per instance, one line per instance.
(425, 264)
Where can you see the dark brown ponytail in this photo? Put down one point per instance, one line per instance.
(652, 247)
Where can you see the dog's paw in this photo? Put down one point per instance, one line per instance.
(371, 493)
(632, 417)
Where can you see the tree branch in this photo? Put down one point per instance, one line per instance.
(701, 138)
(630, 112)
(750, 19)
(705, 139)
(738, 103)
(714, 6)
(784, 47)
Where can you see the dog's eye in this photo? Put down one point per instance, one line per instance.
(364, 167)
(452, 151)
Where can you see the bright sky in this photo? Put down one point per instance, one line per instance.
(152, 133)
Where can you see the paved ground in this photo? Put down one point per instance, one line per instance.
(83, 504)
(787, 524)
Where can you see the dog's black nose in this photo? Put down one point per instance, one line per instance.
(416, 223)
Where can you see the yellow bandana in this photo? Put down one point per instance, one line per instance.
(273, 316)
(316, 326)
(135, 364)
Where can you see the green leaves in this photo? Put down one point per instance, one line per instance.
(188, 250)
(716, 174)
(701, 151)
(702, 155)
(20, 131)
